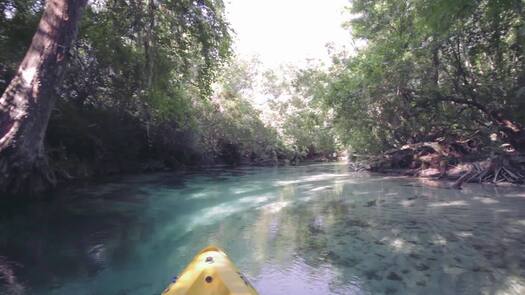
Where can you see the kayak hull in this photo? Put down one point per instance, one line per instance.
(210, 273)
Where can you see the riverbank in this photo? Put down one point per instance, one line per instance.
(448, 161)
(72, 172)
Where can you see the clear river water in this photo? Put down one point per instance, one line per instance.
(314, 229)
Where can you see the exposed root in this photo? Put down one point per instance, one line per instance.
(358, 167)
(493, 172)
(19, 177)
(454, 159)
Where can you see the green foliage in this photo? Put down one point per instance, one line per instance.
(18, 20)
(298, 112)
(429, 69)
(162, 73)
(154, 81)
(231, 126)
(135, 77)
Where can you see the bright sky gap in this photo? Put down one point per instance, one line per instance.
(288, 31)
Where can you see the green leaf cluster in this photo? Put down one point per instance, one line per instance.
(429, 69)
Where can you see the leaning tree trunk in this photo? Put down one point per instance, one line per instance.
(25, 106)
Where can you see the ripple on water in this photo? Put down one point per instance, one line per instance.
(316, 229)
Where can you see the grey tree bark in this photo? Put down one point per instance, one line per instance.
(26, 105)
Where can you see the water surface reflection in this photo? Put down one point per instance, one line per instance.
(315, 229)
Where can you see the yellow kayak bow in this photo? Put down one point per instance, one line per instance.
(210, 273)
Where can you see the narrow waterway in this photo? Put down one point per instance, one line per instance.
(315, 229)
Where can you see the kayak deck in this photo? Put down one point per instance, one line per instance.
(210, 273)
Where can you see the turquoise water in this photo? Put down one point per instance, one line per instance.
(315, 229)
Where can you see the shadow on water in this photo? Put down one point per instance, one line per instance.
(47, 243)
(80, 232)
(314, 229)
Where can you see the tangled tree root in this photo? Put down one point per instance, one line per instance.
(490, 172)
(358, 167)
(433, 160)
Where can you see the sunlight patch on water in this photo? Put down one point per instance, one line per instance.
(520, 222)
(464, 234)
(485, 200)
(313, 178)
(345, 180)
(397, 245)
(512, 285)
(253, 200)
(244, 189)
(452, 270)
(439, 240)
(302, 278)
(502, 210)
(407, 203)
(448, 204)
(214, 214)
(320, 188)
(200, 195)
(518, 195)
(368, 193)
(274, 207)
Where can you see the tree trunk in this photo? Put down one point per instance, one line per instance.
(150, 62)
(148, 44)
(26, 105)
